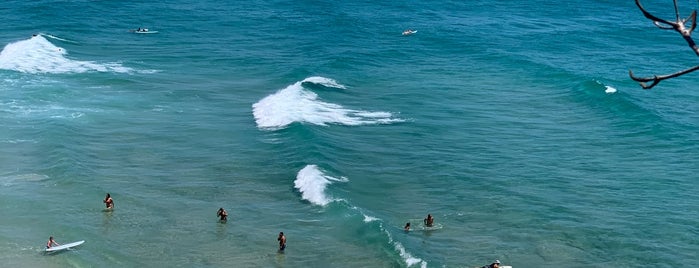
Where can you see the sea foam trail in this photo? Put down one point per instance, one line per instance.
(312, 182)
(38, 55)
(298, 104)
(408, 258)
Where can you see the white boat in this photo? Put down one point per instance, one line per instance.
(143, 31)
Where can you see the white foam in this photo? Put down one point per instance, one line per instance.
(298, 104)
(609, 90)
(369, 218)
(409, 259)
(9, 180)
(58, 38)
(38, 55)
(311, 183)
(324, 81)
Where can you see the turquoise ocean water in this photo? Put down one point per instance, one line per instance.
(321, 120)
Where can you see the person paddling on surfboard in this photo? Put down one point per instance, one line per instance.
(282, 241)
(429, 221)
(407, 227)
(222, 214)
(51, 242)
(108, 201)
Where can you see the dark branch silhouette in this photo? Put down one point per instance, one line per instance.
(680, 26)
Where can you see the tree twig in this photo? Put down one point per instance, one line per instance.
(679, 25)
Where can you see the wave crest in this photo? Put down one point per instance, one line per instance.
(38, 55)
(295, 103)
(311, 183)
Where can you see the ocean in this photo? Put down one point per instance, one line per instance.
(514, 123)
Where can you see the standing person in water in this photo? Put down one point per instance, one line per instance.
(282, 241)
(108, 201)
(429, 221)
(51, 242)
(222, 214)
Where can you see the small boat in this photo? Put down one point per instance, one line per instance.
(142, 31)
(409, 32)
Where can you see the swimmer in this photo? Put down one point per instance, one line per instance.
(222, 214)
(429, 221)
(108, 201)
(282, 241)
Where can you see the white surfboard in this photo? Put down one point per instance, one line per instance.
(66, 246)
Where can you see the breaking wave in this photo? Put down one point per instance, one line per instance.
(295, 103)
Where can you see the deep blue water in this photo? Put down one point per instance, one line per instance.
(514, 123)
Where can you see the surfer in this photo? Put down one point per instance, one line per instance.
(282, 241)
(51, 242)
(429, 221)
(222, 214)
(408, 32)
(495, 264)
(108, 201)
(407, 227)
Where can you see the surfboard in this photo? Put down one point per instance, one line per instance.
(66, 246)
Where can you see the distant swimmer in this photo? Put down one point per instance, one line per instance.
(429, 221)
(407, 227)
(51, 242)
(222, 214)
(495, 264)
(108, 201)
(282, 241)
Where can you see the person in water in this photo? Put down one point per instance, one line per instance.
(429, 221)
(407, 227)
(108, 201)
(282, 241)
(222, 214)
(51, 242)
(495, 264)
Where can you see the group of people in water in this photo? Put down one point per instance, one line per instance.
(223, 218)
(428, 222)
(222, 214)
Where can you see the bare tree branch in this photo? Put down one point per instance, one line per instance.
(679, 25)
(657, 78)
